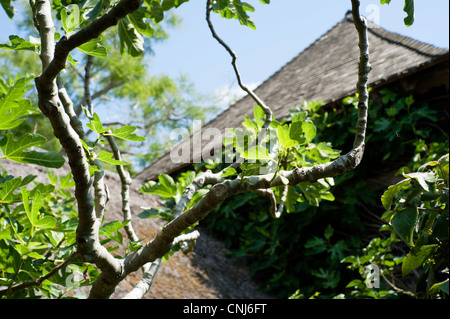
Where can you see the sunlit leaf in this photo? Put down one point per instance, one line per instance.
(71, 21)
(94, 48)
(108, 158)
(15, 151)
(130, 39)
(416, 257)
(388, 196)
(256, 153)
(18, 43)
(126, 133)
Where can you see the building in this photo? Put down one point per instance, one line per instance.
(327, 71)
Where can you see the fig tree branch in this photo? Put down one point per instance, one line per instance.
(255, 98)
(53, 61)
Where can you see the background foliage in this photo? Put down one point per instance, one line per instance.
(304, 250)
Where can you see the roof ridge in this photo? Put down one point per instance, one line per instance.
(393, 53)
(279, 70)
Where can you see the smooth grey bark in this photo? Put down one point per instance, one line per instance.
(54, 59)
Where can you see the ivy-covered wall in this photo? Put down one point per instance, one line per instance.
(302, 251)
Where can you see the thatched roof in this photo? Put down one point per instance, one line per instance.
(324, 71)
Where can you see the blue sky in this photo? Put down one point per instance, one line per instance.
(284, 29)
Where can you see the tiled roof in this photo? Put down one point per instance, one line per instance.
(324, 71)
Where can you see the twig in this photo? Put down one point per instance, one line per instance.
(125, 180)
(255, 98)
(144, 285)
(393, 286)
(87, 79)
(273, 202)
(363, 75)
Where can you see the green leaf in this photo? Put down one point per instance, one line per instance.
(18, 43)
(130, 40)
(46, 222)
(160, 212)
(94, 48)
(21, 249)
(337, 251)
(7, 195)
(36, 204)
(168, 182)
(329, 231)
(72, 21)
(108, 158)
(382, 124)
(416, 257)
(13, 117)
(137, 18)
(422, 178)
(388, 196)
(291, 199)
(242, 139)
(169, 4)
(96, 125)
(50, 159)
(93, 169)
(90, 15)
(66, 181)
(439, 286)
(234, 9)
(15, 151)
(9, 9)
(296, 132)
(445, 172)
(404, 222)
(126, 133)
(197, 197)
(111, 230)
(165, 188)
(14, 95)
(5, 233)
(284, 138)
(260, 116)
(156, 11)
(256, 153)
(315, 246)
(309, 130)
(230, 171)
(409, 9)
